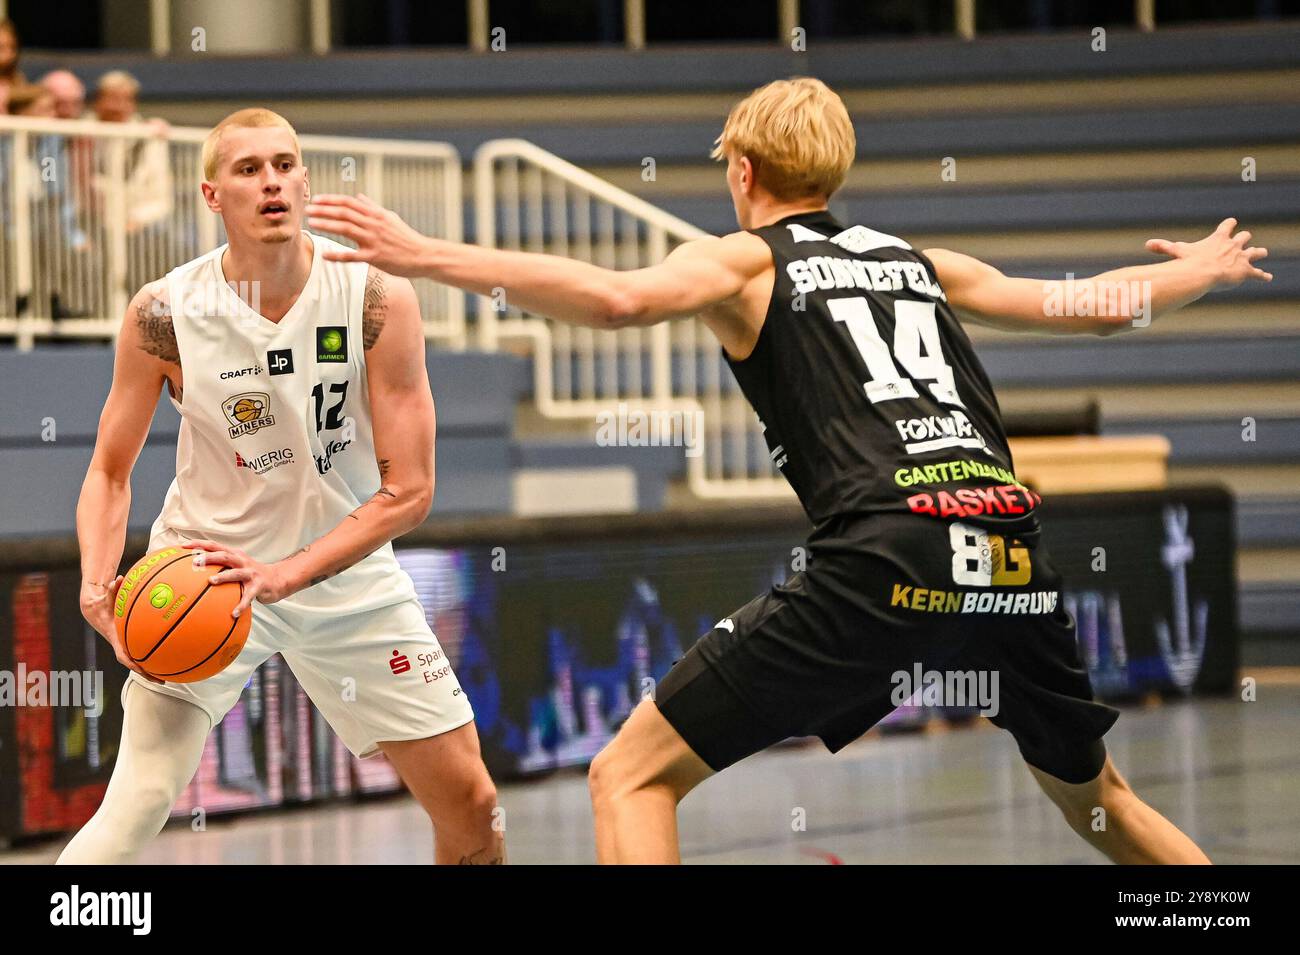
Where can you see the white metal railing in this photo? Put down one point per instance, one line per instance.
(528, 199)
(91, 211)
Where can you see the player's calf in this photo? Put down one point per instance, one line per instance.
(447, 776)
(1108, 814)
(161, 744)
(636, 783)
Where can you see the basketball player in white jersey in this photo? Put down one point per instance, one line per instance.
(306, 446)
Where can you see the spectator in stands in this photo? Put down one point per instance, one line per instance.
(68, 188)
(10, 75)
(74, 157)
(49, 199)
(28, 99)
(69, 93)
(35, 101)
(150, 192)
(148, 167)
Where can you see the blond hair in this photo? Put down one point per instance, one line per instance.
(255, 118)
(118, 80)
(797, 134)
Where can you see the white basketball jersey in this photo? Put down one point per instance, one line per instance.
(276, 446)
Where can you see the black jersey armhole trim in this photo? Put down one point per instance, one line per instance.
(763, 335)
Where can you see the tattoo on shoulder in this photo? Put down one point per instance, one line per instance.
(154, 320)
(375, 311)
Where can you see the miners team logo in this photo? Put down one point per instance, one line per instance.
(248, 412)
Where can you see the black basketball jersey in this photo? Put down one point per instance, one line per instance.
(867, 387)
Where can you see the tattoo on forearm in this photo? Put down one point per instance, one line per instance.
(382, 492)
(375, 311)
(157, 336)
(384, 466)
(328, 574)
(333, 573)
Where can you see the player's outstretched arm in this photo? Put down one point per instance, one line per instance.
(1106, 303)
(697, 275)
(146, 347)
(401, 407)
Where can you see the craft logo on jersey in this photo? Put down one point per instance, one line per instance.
(241, 372)
(248, 412)
(332, 343)
(265, 462)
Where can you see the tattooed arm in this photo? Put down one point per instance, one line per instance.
(146, 355)
(401, 407)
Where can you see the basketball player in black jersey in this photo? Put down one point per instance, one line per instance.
(924, 549)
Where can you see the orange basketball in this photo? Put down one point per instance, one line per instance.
(176, 624)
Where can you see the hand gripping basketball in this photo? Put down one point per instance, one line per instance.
(260, 581)
(174, 623)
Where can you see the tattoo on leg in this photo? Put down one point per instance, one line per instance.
(481, 857)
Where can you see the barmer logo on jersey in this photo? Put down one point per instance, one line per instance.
(248, 412)
(265, 462)
(332, 343)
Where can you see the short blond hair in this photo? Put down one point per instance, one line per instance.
(797, 134)
(118, 80)
(255, 118)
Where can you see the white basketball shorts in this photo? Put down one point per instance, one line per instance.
(376, 676)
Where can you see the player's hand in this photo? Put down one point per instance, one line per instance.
(263, 582)
(1228, 257)
(382, 238)
(97, 607)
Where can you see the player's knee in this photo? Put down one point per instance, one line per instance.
(148, 806)
(1089, 805)
(472, 803)
(600, 777)
(1113, 791)
(483, 798)
(612, 775)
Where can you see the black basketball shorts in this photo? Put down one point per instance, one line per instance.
(888, 606)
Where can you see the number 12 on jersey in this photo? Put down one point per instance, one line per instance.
(334, 416)
(916, 347)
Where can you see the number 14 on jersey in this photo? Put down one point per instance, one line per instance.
(916, 347)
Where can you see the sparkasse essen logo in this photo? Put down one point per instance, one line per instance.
(248, 412)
